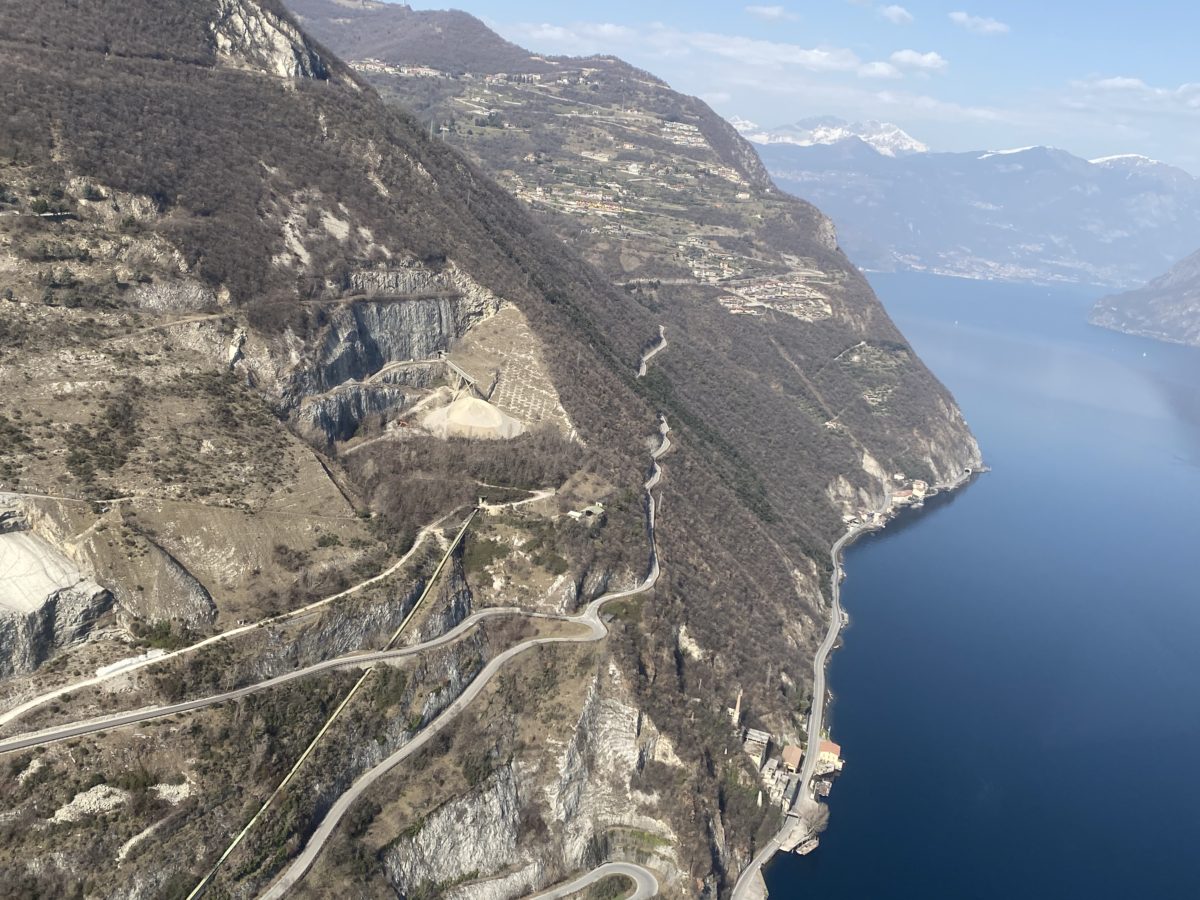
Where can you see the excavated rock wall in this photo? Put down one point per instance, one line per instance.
(336, 416)
(45, 601)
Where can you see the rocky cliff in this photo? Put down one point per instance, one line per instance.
(538, 818)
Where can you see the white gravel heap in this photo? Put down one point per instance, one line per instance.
(100, 799)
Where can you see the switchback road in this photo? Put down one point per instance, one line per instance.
(350, 661)
(645, 884)
(597, 630)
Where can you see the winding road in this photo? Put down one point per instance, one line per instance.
(131, 665)
(349, 661)
(597, 630)
(653, 351)
(645, 884)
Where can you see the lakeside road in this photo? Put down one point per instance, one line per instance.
(750, 884)
(816, 718)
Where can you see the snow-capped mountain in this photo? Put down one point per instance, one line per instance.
(1026, 214)
(883, 137)
(1128, 161)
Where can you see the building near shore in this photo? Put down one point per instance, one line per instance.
(792, 755)
(829, 754)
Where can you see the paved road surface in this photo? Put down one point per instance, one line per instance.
(352, 660)
(135, 664)
(596, 631)
(643, 879)
(653, 351)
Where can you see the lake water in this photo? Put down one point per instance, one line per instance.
(1018, 697)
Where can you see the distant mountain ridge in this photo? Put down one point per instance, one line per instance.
(883, 137)
(393, 32)
(1168, 308)
(1036, 214)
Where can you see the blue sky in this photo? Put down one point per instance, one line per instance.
(1096, 78)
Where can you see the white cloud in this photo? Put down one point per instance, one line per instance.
(1120, 83)
(897, 15)
(771, 13)
(926, 62)
(661, 42)
(978, 24)
(879, 70)
(775, 54)
(576, 36)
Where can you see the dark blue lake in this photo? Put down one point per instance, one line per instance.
(1018, 697)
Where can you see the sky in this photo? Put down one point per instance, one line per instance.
(1096, 78)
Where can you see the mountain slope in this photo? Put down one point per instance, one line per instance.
(781, 367)
(241, 287)
(1168, 308)
(1035, 214)
(396, 33)
(667, 200)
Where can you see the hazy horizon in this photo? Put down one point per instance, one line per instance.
(957, 78)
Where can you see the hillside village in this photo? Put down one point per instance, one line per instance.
(653, 197)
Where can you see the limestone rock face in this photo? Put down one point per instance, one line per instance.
(400, 280)
(335, 416)
(45, 601)
(477, 833)
(612, 740)
(398, 316)
(151, 584)
(249, 37)
(585, 786)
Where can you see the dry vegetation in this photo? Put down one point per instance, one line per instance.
(153, 199)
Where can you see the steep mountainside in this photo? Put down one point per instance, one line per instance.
(265, 344)
(780, 363)
(1168, 308)
(1035, 214)
(395, 33)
